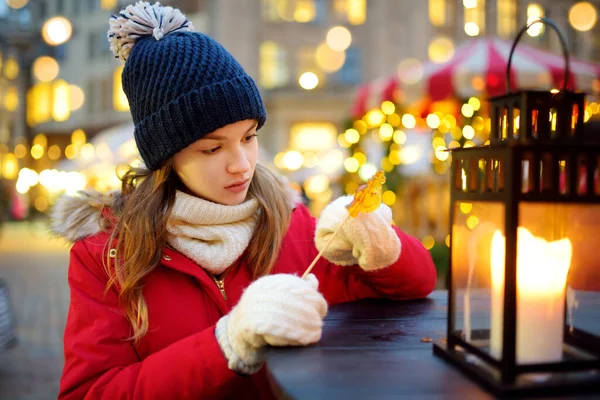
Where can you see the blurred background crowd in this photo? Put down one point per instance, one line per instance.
(351, 86)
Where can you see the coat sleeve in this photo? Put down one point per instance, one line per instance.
(101, 363)
(412, 276)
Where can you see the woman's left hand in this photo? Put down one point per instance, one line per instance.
(367, 240)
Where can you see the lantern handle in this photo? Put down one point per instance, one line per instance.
(563, 43)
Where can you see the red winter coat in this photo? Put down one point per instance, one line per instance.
(179, 358)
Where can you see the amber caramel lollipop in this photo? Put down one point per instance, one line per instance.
(366, 199)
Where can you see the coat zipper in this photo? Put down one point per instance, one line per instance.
(221, 284)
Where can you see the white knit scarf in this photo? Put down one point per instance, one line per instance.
(213, 235)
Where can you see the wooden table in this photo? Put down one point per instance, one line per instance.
(375, 349)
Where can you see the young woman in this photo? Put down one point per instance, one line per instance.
(180, 282)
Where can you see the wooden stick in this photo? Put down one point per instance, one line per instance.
(312, 264)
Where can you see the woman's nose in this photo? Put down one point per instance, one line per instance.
(239, 162)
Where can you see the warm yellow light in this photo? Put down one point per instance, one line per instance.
(583, 16)
(41, 140)
(316, 185)
(312, 136)
(341, 139)
(475, 103)
(437, 142)
(388, 197)
(471, 29)
(441, 153)
(468, 132)
(375, 118)
(56, 31)
(394, 120)
(20, 150)
(293, 160)
(87, 151)
(10, 166)
(433, 121)
(308, 80)
(386, 131)
(339, 38)
(409, 121)
(399, 137)
(360, 126)
(394, 157)
(352, 135)
(16, 4)
(61, 101)
(409, 155)
(71, 152)
(120, 102)
(469, 3)
(366, 171)
(329, 60)
(11, 68)
(388, 107)
(357, 11)
(360, 157)
(37, 151)
(78, 137)
(77, 97)
(54, 152)
(108, 4)
(41, 204)
(351, 164)
(534, 13)
(428, 242)
(11, 99)
(466, 208)
(441, 49)
(305, 11)
(45, 68)
(278, 160)
(447, 241)
(386, 164)
(467, 110)
(472, 222)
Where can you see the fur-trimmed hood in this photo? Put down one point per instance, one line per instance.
(79, 216)
(85, 214)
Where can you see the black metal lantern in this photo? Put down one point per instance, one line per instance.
(524, 278)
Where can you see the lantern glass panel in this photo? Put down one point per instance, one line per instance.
(557, 247)
(474, 224)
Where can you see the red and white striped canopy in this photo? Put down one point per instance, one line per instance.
(477, 67)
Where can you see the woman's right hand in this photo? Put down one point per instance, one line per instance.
(276, 310)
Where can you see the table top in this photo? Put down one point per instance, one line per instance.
(374, 349)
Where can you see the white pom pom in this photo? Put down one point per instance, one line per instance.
(140, 20)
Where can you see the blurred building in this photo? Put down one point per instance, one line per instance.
(307, 55)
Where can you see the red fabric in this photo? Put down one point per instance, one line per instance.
(180, 357)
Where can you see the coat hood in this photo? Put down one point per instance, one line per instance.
(87, 213)
(79, 216)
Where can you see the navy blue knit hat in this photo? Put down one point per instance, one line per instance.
(181, 85)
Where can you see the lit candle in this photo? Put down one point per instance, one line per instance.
(542, 269)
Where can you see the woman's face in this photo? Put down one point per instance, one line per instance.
(220, 166)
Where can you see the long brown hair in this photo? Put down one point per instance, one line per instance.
(141, 232)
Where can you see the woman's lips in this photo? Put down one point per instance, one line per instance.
(238, 187)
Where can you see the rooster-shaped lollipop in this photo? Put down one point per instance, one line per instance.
(366, 199)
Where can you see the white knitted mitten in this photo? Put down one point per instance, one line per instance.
(367, 240)
(276, 310)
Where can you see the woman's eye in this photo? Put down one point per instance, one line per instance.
(250, 137)
(211, 151)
